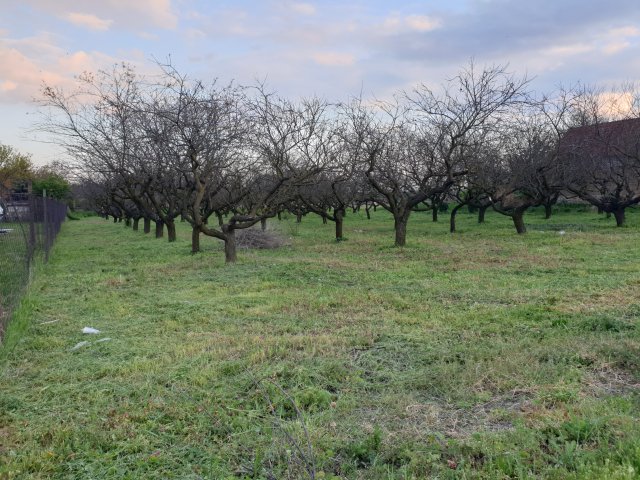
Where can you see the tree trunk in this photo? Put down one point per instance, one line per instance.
(368, 211)
(434, 213)
(220, 219)
(230, 246)
(119, 219)
(548, 210)
(518, 221)
(147, 225)
(339, 218)
(400, 226)
(127, 222)
(298, 218)
(171, 231)
(481, 212)
(619, 216)
(136, 223)
(279, 215)
(452, 219)
(195, 240)
(263, 224)
(324, 219)
(115, 219)
(159, 229)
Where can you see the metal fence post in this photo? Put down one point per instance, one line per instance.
(31, 243)
(45, 225)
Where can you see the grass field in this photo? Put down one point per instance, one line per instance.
(477, 355)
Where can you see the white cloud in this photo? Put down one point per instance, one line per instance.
(129, 14)
(618, 39)
(563, 51)
(392, 24)
(422, 23)
(89, 21)
(615, 103)
(334, 59)
(226, 22)
(148, 36)
(615, 47)
(195, 34)
(395, 23)
(629, 31)
(303, 8)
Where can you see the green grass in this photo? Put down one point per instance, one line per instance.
(14, 268)
(477, 355)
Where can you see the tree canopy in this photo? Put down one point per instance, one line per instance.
(15, 167)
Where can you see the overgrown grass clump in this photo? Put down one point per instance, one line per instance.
(477, 355)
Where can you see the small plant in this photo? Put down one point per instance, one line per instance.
(366, 450)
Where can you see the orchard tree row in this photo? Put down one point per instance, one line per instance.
(226, 157)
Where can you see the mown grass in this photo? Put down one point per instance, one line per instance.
(477, 355)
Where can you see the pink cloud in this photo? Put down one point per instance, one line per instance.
(8, 86)
(89, 21)
(25, 64)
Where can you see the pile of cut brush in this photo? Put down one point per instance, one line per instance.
(260, 239)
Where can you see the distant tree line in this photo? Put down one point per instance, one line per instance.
(226, 157)
(18, 174)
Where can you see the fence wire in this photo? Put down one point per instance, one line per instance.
(29, 225)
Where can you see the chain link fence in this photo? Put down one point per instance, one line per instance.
(28, 227)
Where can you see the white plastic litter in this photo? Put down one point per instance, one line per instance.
(561, 232)
(105, 339)
(80, 345)
(90, 330)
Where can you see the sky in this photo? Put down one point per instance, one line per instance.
(332, 49)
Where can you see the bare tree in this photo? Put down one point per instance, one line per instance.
(199, 131)
(602, 167)
(277, 158)
(420, 151)
(515, 167)
(336, 187)
(376, 138)
(99, 126)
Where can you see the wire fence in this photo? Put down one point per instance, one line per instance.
(29, 225)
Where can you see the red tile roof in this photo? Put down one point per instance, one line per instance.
(621, 137)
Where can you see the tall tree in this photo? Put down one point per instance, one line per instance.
(15, 167)
(515, 167)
